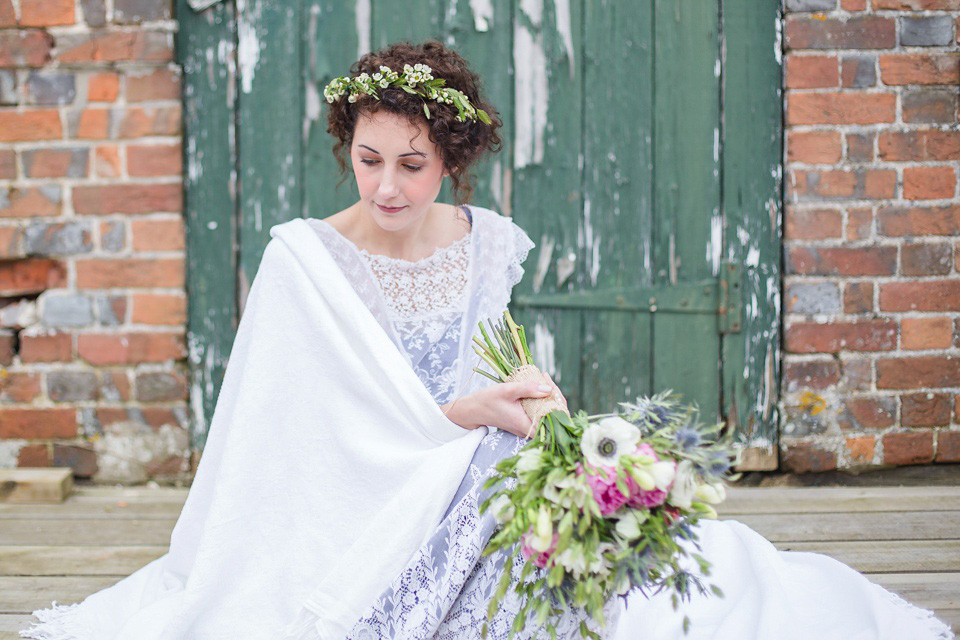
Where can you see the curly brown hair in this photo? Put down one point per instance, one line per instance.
(461, 144)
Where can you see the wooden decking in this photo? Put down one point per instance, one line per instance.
(905, 538)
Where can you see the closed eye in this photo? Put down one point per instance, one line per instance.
(412, 167)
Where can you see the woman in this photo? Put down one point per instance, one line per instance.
(338, 493)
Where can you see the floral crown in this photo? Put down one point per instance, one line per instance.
(417, 80)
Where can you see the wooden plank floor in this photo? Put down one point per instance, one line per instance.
(905, 538)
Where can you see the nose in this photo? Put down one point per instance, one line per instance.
(389, 187)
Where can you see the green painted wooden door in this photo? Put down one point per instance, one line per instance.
(642, 155)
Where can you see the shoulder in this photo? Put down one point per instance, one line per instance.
(501, 234)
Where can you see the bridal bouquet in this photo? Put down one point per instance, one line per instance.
(599, 504)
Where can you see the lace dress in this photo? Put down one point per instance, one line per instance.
(445, 590)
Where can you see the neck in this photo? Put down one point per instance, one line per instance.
(410, 243)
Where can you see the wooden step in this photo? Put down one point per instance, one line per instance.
(50, 484)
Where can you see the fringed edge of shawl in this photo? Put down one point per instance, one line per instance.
(59, 622)
(937, 628)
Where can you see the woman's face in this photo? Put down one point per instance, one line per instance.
(398, 169)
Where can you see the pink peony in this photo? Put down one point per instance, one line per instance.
(606, 492)
(537, 558)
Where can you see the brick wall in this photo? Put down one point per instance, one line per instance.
(872, 289)
(92, 302)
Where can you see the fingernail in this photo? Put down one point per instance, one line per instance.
(544, 388)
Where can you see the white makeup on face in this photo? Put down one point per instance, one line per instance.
(399, 171)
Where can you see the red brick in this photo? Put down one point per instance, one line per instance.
(82, 459)
(120, 46)
(928, 183)
(858, 297)
(50, 347)
(926, 333)
(919, 221)
(948, 446)
(49, 163)
(38, 423)
(154, 160)
(156, 417)
(919, 145)
(8, 17)
(159, 235)
(812, 72)
(93, 124)
(162, 84)
(861, 449)
(843, 261)
(814, 147)
(860, 146)
(8, 340)
(869, 412)
(31, 201)
(115, 383)
(25, 48)
(128, 198)
(10, 243)
(107, 162)
(929, 105)
(19, 387)
(812, 224)
(929, 295)
(864, 335)
(96, 273)
(918, 372)
(840, 108)
(47, 13)
(25, 126)
(859, 223)
(917, 5)
(811, 374)
(926, 259)
(130, 348)
(139, 122)
(8, 164)
(34, 455)
(920, 68)
(860, 32)
(30, 275)
(156, 308)
(925, 409)
(853, 5)
(805, 457)
(838, 184)
(103, 87)
(912, 447)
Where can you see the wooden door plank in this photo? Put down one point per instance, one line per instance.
(334, 37)
(751, 146)
(887, 556)
(70, 532)
(547, 49)
(206, 51)
(686, 193)
(741, 500)
(26, 594)
(67, 560)
(907, 525)
(270, 122)
(615, 226)
(412, 21)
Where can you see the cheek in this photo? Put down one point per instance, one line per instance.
(426, 185)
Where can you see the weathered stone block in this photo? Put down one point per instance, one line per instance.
(19, 315)
(113, 236)
(821, 297)
(133, 11)
(934, 31)
(57, 238)
(160, 386)
(94, 12)
(71, 386)
(83, 460)
(128, 450)
(811, 5)
(8, 87)
(67, 311)
(111, 310)
(50, 87)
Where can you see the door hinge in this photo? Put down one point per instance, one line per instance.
(730, 298)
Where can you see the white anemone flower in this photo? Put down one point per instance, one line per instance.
(605, 441)
(685, 485)
(530, 460)
(628, 524)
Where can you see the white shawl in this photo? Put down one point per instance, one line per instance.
(328, 463)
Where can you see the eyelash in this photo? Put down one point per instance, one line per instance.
(409, 167)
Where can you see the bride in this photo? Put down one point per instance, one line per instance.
(338, 492)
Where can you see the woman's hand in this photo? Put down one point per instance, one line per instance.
(499, 406)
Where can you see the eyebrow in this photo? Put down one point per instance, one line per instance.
(402, 155)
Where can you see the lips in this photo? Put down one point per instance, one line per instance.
(389, 209)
